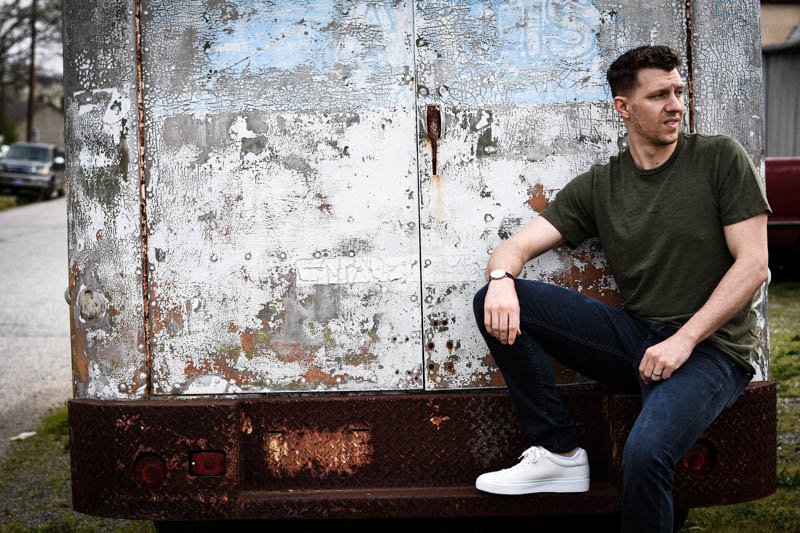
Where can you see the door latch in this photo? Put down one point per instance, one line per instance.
(434, 131)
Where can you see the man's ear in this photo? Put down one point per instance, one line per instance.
(621, 105)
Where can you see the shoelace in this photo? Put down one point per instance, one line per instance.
(531, 455)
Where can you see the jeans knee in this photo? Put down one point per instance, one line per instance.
(477, 304)
(642, 455)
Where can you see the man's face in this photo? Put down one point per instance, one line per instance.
(653, 110)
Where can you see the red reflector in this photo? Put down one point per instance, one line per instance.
(149, 470)
(207, 463)
(700, 459)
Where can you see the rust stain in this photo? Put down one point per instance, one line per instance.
(171, 318)
(316, 375)
(248, 341)
(219, 366)
(127, 422)
(495, 378)
(288, 352)
(434, 120)
(80, 363)
(324, 206)
(589, 280)
(538, 198)
(437, 421)
(363, 357)
(292, 352)
(247, 424)
(318, 453)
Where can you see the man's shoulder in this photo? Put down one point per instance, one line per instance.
(612, 162)
(713, 142)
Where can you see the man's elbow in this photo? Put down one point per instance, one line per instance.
(759, 267)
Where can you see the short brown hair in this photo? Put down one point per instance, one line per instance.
(622, 74)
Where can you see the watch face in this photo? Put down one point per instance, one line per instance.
(497, 274)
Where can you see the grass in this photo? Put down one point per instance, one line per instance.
(7, 202)
(35, 477)
(35, 486)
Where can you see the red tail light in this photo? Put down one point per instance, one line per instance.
(149, 470)
(207, 463)
(700, 459)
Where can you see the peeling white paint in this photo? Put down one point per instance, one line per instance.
(211, 384)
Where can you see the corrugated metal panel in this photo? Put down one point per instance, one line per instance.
(282, 196)
(524, 108)
(105, 249)
(726, 55)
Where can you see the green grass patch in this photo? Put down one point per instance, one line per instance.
(35, 491)
(7, 202)
(784, 324)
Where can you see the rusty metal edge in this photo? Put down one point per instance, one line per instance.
(97, 426)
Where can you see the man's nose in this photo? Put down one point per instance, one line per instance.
(675, 102)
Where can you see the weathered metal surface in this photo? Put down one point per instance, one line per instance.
(366, 455)
(325, 181)
(525, 108)
(102, 146)
(106, 437)
(282, 196)
(728, 96)
(391, 441)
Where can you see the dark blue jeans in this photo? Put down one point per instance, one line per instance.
(607, 344)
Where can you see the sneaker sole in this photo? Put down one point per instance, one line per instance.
(531, 487)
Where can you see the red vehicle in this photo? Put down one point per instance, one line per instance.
(783, 192)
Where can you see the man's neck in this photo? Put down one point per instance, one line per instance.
(648, 156)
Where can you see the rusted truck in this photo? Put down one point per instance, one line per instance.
(279, 213)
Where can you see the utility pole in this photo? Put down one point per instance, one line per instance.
(32, 75)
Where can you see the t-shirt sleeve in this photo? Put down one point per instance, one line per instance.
(571, 212)
(740, 191)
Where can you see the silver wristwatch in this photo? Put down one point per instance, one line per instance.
(499, 274)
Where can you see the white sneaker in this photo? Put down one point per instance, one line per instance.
(539, 471)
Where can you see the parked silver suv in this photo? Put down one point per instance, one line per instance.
(33, 169)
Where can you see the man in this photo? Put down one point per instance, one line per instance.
(682, 221)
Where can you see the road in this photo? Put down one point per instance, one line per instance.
(35, 368)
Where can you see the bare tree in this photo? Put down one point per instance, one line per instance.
(20, 31)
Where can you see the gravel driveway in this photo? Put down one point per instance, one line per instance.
(35, 368)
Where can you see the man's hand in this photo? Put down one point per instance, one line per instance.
(661, 360)
(501, 311)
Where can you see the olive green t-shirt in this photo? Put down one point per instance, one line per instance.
(662, 229)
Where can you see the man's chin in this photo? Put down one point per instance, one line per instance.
(667, 140)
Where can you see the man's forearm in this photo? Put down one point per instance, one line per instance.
(534, 239)
(507, 256)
